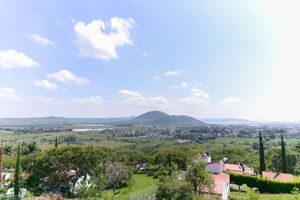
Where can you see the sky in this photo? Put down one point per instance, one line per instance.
(109, 58)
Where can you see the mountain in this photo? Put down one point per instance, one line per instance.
(59, 121)
(227, 121)
(158, 118)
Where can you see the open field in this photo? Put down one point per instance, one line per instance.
(138, 182)
(46, 140)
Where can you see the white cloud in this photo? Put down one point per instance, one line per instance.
(173, 73)
(198, 97)
(135, 98)
(156, 77)
(94, 42)
(46, 100)
(45, 84)
(158, 100)
(182, 85)
(67, 76)
(132, 97)
(231, 101)
(8, 94)
(12, 58)
(199, 93)
(129, 94)
(41, 40)
(97, 100)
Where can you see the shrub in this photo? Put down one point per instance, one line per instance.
(263, 185)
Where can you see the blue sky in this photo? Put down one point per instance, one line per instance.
(122, 58)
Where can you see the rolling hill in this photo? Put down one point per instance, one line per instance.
(158, 118)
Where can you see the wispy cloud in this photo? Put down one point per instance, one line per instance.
(173, 73)
(97, 100)
(41, 40)
(170, 73)
(8, 94)
(231, 101)
(137, 99)
(12, 58)
(198, 97)
(68, 76)
(182, 85)
(45, 84)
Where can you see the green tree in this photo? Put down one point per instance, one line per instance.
(283, 156)
(171, 188)
(178, 156)
(116, 175)
(274, 160)
(50, 169)
(170, 163)
(199, 178)
(262, 165)
(56, 141)
(17, 174)
(7, 149)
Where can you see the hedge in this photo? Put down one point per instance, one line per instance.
(263, 185)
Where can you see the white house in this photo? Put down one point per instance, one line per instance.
(205, 157)
(221, 185)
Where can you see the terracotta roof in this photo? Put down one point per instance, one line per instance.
(237, 168)
(219, 180)
(277, 176)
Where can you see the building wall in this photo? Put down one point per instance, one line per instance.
(214, 167)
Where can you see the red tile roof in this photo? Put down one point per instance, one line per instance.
(219, 180)
(283, 177)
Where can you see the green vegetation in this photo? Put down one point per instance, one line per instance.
(262, 165)
(264, 185)
(245, 196)
(17, 174)
(283, 156)
(138, 161)
(139, 183)
(199, 178)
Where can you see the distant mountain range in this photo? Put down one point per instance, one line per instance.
(59, 121)
(227, 121)
(152, 118)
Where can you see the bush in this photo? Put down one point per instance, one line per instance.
(174, 189)
(263, 185)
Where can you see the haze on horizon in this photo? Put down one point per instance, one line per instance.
(121, 58)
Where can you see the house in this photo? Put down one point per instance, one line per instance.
(277, 176)
(238, 168)
(221, 185)
(215, 167)
(205, 157)
(221, 180)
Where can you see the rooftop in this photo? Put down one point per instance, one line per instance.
(277, 176)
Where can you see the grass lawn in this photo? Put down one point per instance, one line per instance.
(138, 182)
(243, 196)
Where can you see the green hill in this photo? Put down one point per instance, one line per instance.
(158, 118)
